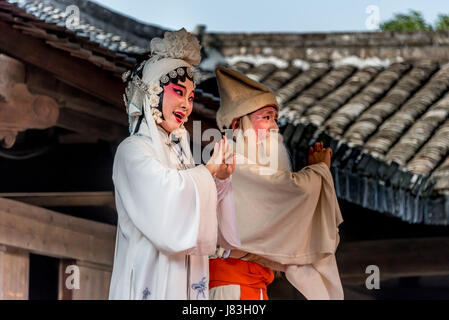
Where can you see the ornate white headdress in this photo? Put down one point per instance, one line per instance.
(177, 45)
(170, 57)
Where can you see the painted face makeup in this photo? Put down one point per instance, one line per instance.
(264, 119)
(177, 104)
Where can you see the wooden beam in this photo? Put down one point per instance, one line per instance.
(394, 257)
(24, 110)
(19, 108)
(79, 112)
(72, 70)
(50, 233)
(42, 82)
(12, 71)
(64, 199)
(86, 124)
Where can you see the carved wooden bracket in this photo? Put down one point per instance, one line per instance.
(19, 109)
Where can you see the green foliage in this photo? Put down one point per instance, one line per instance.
(413, 21)
(442, 22)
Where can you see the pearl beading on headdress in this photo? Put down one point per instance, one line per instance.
(152, 90)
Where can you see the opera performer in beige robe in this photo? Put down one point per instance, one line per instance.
(287, 221)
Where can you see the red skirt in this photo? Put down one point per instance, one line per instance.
(250, 276)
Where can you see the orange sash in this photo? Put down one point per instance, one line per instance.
(250, 276)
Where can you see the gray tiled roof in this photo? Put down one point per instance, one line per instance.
(388, 125)
(103, 37)
(100, 25)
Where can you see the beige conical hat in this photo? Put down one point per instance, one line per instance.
(239, 95)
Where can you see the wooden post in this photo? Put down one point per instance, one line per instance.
(14, 274)
(64, 293)
(94, 282)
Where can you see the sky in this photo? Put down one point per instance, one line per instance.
(273, 15)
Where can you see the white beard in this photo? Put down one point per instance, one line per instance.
(264, 149)
(269, 151)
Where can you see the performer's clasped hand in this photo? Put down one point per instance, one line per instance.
(318, 154)
(222, 162)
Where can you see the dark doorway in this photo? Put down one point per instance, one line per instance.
(43, 277)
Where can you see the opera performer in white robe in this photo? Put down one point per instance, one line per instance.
(170, 212)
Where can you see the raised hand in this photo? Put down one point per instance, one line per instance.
(222, 162)
(318, 153)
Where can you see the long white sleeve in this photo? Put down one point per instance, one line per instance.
(228, 236)
(174, 209)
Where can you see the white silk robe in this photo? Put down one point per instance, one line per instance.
(167, 225)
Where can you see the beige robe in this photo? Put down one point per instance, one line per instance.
(289, 221)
